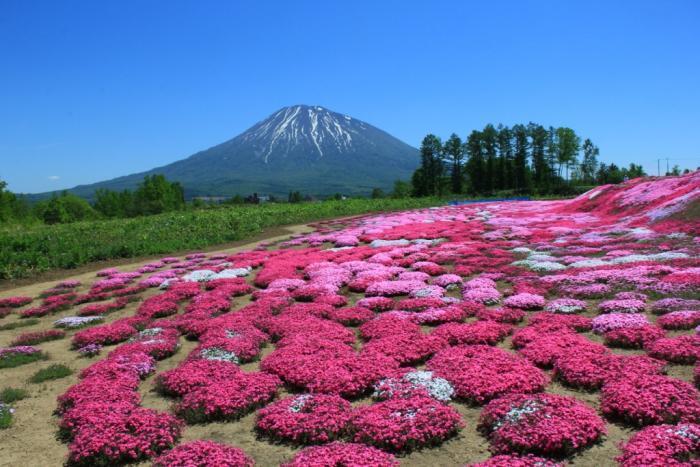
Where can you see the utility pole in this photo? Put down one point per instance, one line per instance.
(658, 167)
(667, 166)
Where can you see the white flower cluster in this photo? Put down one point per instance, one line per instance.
(71, 322)
(517, 412)
(206, 275)
(215, 353)
(299, 402)
(540, 266)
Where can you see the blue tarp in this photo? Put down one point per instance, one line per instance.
(487, 200)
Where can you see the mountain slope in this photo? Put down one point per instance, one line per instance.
(305, 148)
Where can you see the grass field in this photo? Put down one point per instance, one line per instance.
(28, 250)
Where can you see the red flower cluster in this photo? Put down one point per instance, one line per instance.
(662, 445)
(104, 335)
(543, 424)
(107, 434)
(480, 373)
(195, 374)
(15, 302)
(204, 453)
(649, 399)
(501, 315)
(591, 370)
(342, 454)
(384, 326)
(229, 399)
(634, 337)
(305, 419)
(326, 366)
(684, 319)
(406, 349)
(544, 350)
(480, 332)
(683, 349)
(405, 424)
(37, 337)
(507, 460)
(353, 316)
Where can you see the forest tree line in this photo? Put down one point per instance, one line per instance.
(154, 195)
(520, 160)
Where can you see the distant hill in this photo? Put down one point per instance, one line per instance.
(306, 148)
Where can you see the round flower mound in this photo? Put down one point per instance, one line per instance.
(342, 455)
(406, 349)
(507, 460)
(525, 301)
(229, 399)
(682, 350)
(480, 373)
(683, 319)
(622, 306)
(545, 349)
(123, 436)
(204, 452)
(649, 399)
(305, 419)
(633, 338)
(329, 369)
(387, 326)
(541, 424)
(480, 332)
(662, 445)
(353, 316)
(611, 321)
(405, 424)
(591, 370)
(500, 315)
(104, 335)
(194, 374)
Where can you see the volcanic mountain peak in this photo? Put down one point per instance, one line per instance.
(306, 148)
(302, 126)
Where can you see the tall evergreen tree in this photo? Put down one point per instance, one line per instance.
(476, 166)
(454, 150)
(505, 158)
(430, 180)
(520, 151)
(538, 151)
(551, 154)
(489, 141)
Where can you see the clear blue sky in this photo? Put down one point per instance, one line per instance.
(95, 89)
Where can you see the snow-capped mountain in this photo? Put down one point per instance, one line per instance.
(306, 148)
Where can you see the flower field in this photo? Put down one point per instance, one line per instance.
(534, 333)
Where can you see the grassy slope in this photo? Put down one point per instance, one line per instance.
(27, 250)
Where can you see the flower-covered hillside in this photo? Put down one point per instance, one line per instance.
(505, 333)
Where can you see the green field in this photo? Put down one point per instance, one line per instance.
(28, 250)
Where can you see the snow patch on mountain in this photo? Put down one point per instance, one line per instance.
(301, 125)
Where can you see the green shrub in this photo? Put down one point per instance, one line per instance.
(11, 361)
(10, 395)
(5, 416)
(55, 371)
(19, 324)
